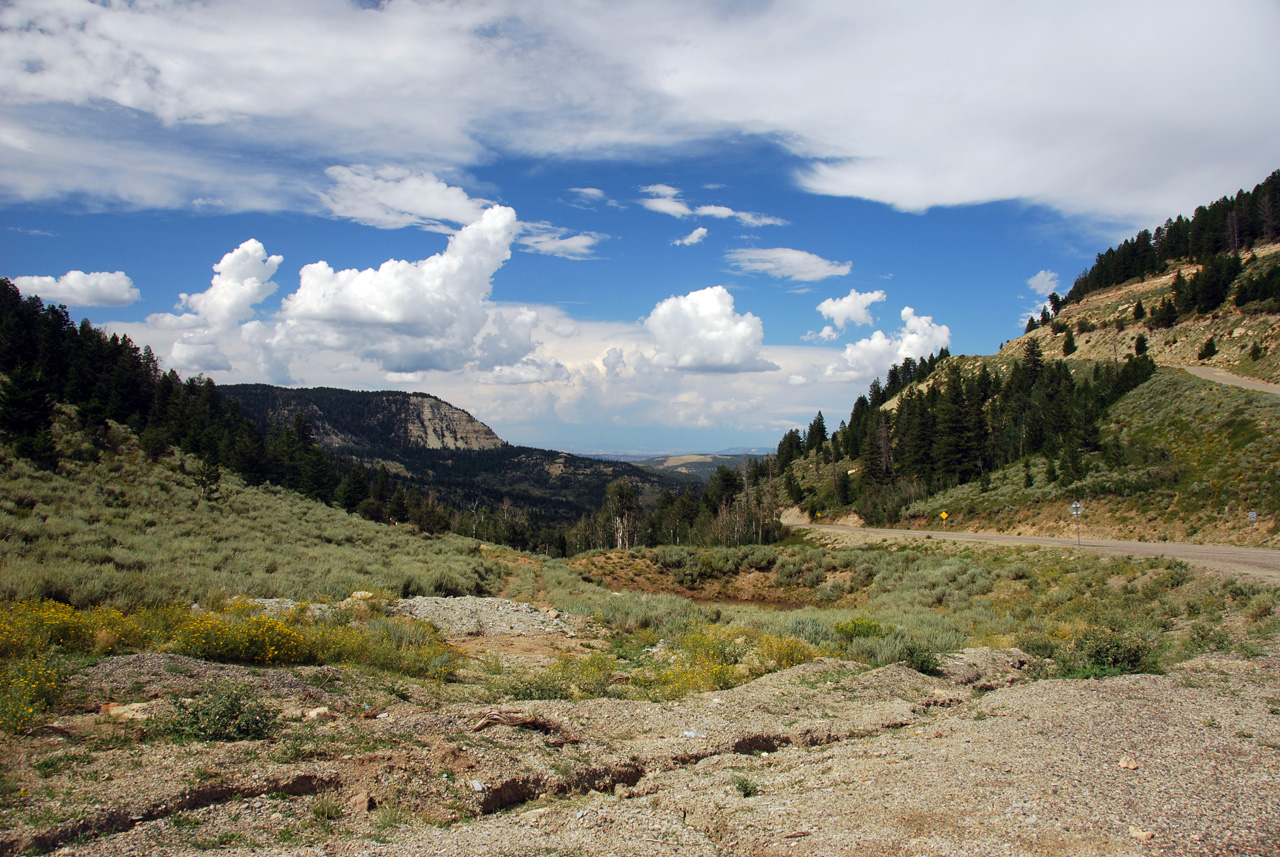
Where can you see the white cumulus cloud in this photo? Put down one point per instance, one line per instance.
(76, 288)
(694, 237)
(786, 263)
(241, 280)
(854, 307)
(919, 336)
(1044, 283)
(701, 332)
(404, 316)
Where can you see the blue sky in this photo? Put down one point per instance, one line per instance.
(634, 226)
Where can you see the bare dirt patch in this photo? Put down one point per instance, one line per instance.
(828, 757)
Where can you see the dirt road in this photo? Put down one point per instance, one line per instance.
(1259, 564)
(1220, 376)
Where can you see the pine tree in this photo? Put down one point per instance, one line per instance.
(817, 435)
(955, 450)
(353, 490)
(877, 455)
(1164, 315)
(1184, 296)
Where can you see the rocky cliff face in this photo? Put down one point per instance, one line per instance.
(435, 424)
(365, 423)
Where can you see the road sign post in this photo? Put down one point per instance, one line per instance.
(1253, 523)
(1076, 509)
(943, 516)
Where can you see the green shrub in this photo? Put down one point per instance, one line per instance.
(1037, 644)
(227, 711)
(784, 652)
(811, 629)
(1202, 637)
(896, 648)
(327, 806)
(920, 657)
(1100, 652)
(1260, 607)
(857, 627)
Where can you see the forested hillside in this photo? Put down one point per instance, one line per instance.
(960, 427)
(1226, 227)
(47, 360)
(60, 376)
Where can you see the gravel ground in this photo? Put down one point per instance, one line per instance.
(469, 616)
(824, 758)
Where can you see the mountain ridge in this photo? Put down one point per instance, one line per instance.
(443, 450)
(341, 418)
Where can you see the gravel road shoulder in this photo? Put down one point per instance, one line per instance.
(1258, 564)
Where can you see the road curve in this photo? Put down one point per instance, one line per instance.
(1259, 564)
(1221, 376)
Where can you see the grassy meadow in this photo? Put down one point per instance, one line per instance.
(108, 553)
(124, 532)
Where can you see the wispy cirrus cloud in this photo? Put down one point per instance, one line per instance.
(694, 237)
(186, 102)
(1043, 283)
(396, 197)
(665, 199)
(785, 263)
(552, 240)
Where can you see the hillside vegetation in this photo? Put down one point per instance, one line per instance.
(1007, 442)
(180, 647)
(128, 532)
(1107, 325)
(1228, 226)
(1182, 459)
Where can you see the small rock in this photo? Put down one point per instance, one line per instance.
(132, 711)
(275, 816)
(321, 714)
(361, 595)
(476, 785)
(383, 716)
(1128, 764)
(359, 803)
(1140, 834)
